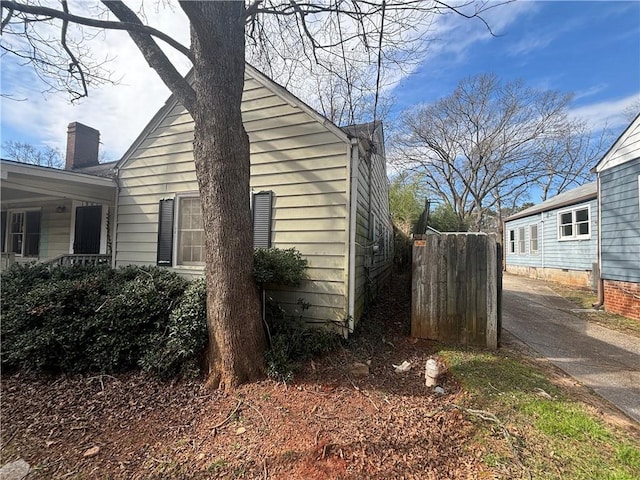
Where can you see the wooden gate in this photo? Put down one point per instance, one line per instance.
(457, 289)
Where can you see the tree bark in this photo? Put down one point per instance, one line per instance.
(221, 154)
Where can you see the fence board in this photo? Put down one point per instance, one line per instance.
(456, 289)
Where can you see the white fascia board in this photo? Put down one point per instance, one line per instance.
(55, 174)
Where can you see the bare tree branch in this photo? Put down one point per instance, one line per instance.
(38, 10)
(154, 56)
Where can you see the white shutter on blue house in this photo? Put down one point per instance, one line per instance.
(262, 219)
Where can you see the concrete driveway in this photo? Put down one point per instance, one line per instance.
(606, 361)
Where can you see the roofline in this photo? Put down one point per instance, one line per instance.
(265, 81)
(597, 168)
(12, 166)
(543, 209)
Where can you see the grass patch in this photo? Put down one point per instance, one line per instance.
(585, 298)
(552, 436)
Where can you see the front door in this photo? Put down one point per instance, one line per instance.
(87, 230)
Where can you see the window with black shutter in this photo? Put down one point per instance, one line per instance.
(262, 202)
(165, 233)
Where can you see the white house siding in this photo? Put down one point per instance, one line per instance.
(569, 261)
(620, 234)
(627, 150)
(372, 269)
(302, 161)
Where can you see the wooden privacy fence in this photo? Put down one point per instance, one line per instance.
(457, 289)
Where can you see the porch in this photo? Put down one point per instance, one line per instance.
(55, 216)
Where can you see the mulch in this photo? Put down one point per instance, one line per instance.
(325, 424)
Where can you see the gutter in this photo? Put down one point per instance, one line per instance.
(114, 243)
(353, 194)
(600, 301)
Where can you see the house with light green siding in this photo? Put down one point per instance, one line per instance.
(59, 215)
(315, 187)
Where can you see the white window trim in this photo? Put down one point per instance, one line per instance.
(531, 250)
(176, 231)
(522, 242)
(8, 230)
(575, 236)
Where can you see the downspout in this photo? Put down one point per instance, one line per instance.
(600, 302)
(353, 198)
(114, 243)
(542, 241)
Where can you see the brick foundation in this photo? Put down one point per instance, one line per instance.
(622, 298)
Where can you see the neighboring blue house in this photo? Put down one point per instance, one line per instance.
(619, 201)
(556, 239)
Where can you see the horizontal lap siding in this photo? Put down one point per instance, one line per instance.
(621, 221)
(371, 269)
(292, 154)
(528, 259)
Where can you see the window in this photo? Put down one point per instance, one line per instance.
(190, 232)
(574, 224)
(512, 241)
(521, 241)
(533, 239)
(22, 232)
(181, 233)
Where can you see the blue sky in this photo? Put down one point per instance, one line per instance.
(589, 48)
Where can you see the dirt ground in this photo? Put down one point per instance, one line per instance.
(326, 424)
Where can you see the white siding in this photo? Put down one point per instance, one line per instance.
(303, 162)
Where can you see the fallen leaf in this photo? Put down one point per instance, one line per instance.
(92, 452)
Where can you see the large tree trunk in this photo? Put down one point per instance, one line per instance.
(221, 153)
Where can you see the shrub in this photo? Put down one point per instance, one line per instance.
(293, 341)
(79, 318)
(176, 351)
(278, 266)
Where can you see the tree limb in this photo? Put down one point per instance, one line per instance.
(154, 56)
(139, 27)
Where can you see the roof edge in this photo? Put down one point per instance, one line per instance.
(556, 206)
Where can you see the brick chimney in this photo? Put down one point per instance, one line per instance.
(82, 146)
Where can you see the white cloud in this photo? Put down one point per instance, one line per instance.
(120, 111)
(612, 114)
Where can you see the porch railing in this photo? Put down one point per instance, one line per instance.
(80, 259)
(6, 260)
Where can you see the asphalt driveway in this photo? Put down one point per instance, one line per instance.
(606, 361)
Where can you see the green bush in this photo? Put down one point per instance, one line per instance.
(293, 341)
(97, 319)
(278, 266)
(79, 318)
(176, 351)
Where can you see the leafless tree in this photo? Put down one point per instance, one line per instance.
(481, 148)
(568, 159)
(221, 146)
(26, 153)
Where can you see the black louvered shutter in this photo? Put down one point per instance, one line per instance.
(3, 220)
(262, 219)
(32, 233)
(165, 232)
